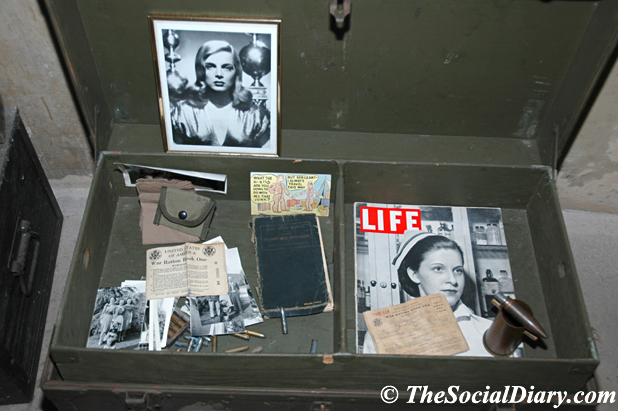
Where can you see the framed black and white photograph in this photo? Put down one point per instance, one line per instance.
(218, 84)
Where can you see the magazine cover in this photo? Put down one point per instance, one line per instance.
(408, 251)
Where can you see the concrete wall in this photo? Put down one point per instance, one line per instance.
(31, 77)
(588, 178)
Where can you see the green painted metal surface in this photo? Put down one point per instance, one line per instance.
(110, 238)
(514, 69)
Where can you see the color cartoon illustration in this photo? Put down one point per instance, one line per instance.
(288, 193)
(278, 189)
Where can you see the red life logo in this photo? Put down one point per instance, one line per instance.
(389, 220)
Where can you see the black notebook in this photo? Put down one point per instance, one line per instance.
(292, 268)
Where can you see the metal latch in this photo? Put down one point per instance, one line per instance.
(321, 406)
(23, 235)
(137, 401)
(340, 9)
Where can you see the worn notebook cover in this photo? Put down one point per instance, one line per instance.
(292, 268)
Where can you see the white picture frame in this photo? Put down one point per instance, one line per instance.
(218, 83)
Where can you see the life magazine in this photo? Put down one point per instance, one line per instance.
(407, 251)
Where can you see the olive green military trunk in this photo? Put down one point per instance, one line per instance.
(455, 102)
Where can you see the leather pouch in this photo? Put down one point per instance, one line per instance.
(185, 211)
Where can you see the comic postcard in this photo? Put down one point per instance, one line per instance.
(290, 193)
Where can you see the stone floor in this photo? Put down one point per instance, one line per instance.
(594, 242)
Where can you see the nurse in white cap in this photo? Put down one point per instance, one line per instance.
(427, 264)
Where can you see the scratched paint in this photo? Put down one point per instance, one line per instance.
(339, 113)
(529, 119)
(322, 56)
(211, 406)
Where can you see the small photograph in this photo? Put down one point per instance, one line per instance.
(210, 182)
(234, 326)
(118, 318)
(225, 314)
(289, 193)
(160, 316)
(214, 315)
(218, 83)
